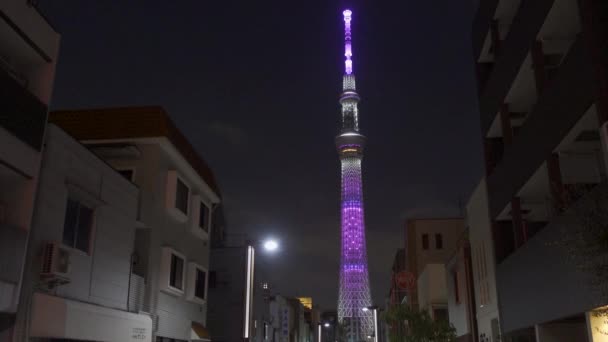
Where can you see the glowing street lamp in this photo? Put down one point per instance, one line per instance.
(327, 325)
(269, 245)
(375, 312)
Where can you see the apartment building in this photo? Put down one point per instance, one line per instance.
(77, 280)
(177, 196)
(428, 244)
(28, 55)
(543, 99)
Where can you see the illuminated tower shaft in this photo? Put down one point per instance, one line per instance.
(354, 280)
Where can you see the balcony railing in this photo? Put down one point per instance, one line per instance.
(21, 113)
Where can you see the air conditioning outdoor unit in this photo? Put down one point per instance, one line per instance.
(55, 264)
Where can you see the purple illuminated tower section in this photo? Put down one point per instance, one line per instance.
(354, 281)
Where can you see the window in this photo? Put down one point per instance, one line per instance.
(456, 289)
(425, 241)
(182, 194)
(203, 216)
(196, 288)
(176, 275)
(438, 241)
(128, 174)
(77, 225)
(199, 287)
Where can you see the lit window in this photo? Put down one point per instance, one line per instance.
(77, 225)
(182, 193)
(176, 275)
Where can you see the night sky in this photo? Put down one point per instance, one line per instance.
(254, 85)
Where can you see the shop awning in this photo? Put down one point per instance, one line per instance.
(199, 332)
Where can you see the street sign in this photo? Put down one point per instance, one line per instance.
(405, 280)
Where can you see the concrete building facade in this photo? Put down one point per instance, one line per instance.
(77, 280)
(428, 244)
(462, 309)
(177, 196)
(28, 54)
(543, 99)
(483, 265)
(288, 321)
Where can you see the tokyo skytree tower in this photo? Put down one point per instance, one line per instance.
(354, 280)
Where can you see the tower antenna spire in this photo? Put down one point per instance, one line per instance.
(354, 293)
(348, 50)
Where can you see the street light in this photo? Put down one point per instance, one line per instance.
(319, 332)
(327, 325)
(375, 313)
(269, 245)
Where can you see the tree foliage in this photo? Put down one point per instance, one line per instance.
(410, 325)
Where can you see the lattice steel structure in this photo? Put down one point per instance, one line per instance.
(354, 280)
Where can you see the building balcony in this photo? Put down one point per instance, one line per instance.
(558, 109)
(497, 82)
(570, 171)
(22, 113)
(553, 275)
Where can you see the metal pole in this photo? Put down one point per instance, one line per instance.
(319, 328)
(375, 325)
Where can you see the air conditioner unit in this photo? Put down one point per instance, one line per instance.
(55, 264)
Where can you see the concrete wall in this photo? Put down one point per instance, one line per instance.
(175, 313)
(543, 275)
(450, 229)
(482, 255)
(457, 311)
(432, 287)
(101, 275)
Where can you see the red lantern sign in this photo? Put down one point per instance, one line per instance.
(405, 280)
